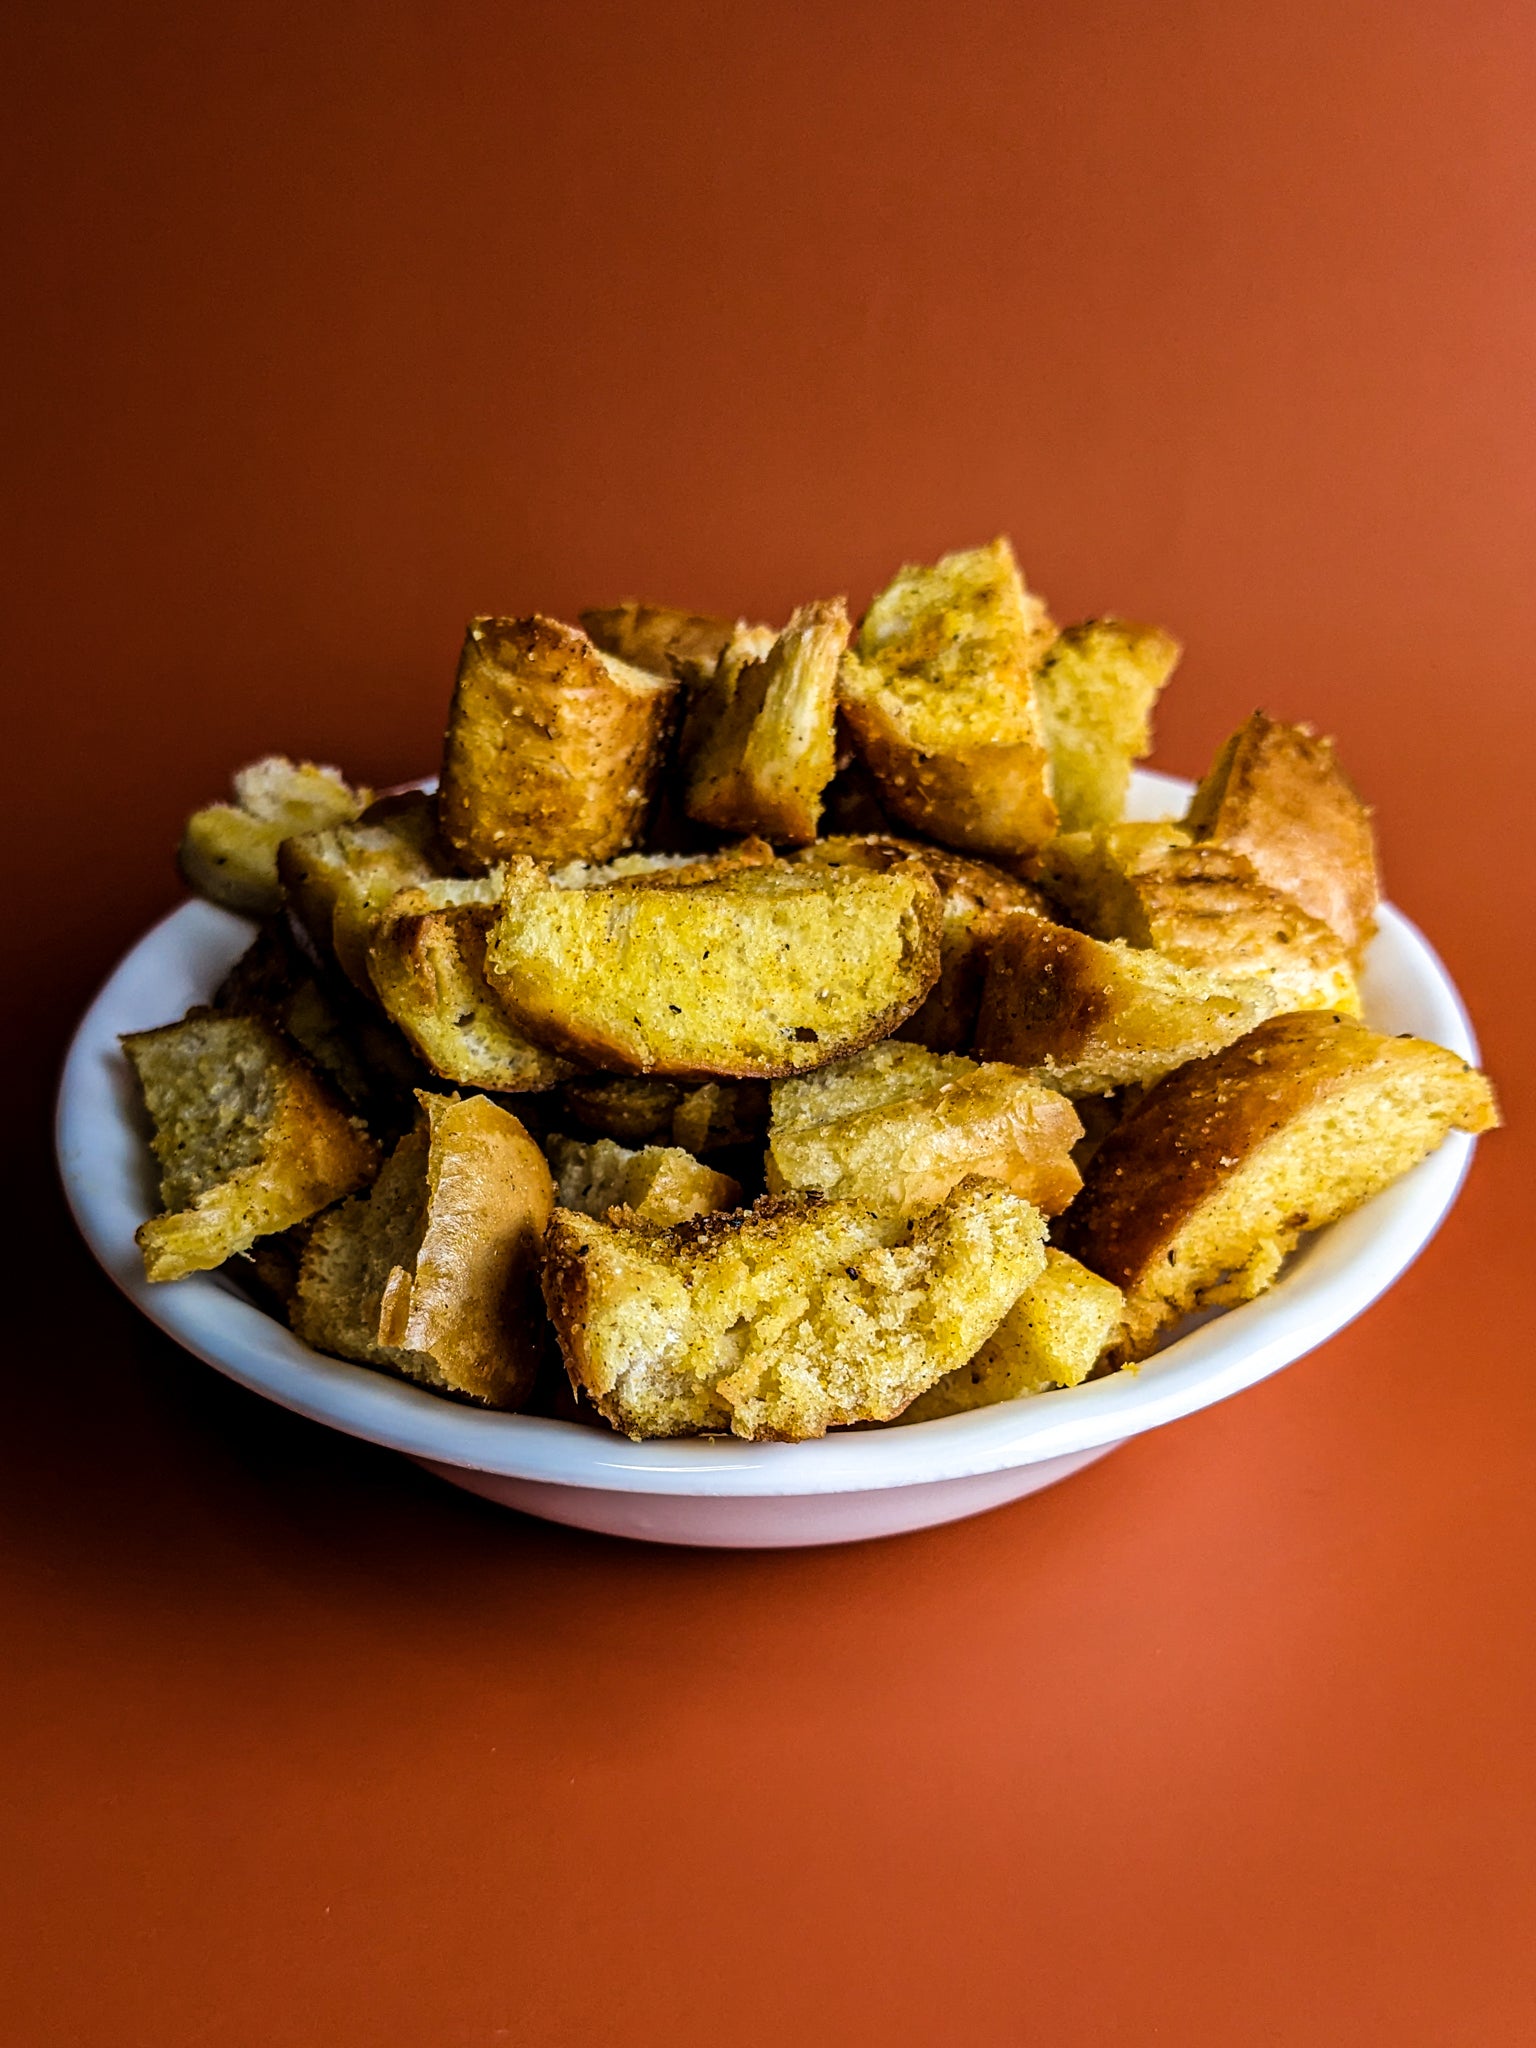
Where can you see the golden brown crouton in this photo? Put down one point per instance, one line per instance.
(553, 746)
(756, 747)
(786, 1321)
(940, 698)
(687, 645)
(1204, 1187)
(339, 881)
(1095, 689)
(1093, 1016)
(1277, 794)
(968, 889)
(758, 972)
(1053, 1336)
(434, 1273)
(1199, 906)
(661, 1184)
(427, 962)
(898, 1126)
(228, 852)
(637, 1107)
(248, 1137)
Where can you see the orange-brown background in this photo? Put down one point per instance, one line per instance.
(332, 323)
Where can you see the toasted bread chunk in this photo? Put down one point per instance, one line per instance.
(664, 870)
(757, 747)
(787, 1320)
(968, 889)
(1096, 689)
(1053, 1336)
(667, 642)
(249, 1139)
(758, 972)
(1204, 1187)
(340, 881)
(635, 1107)
(553, 747)
(228, 852)
(898, 1126)
(427, 962)
(1093, 1016)
(939, 697)
(661, 1184)
(1199, 906)
(434, 1273)
(1277, 794)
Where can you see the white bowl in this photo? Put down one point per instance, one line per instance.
(713, 1491)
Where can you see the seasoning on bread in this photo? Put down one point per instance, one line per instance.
(553, 747)
(898, 1126)
(939, 696)
(1053, 1336)
(1093, 1016)
(1203, 1187)
(434, 1273)
(790, 1319)
(249, 1139)
(1095, 691)
(753, 973)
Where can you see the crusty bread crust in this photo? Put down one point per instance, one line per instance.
(783, 1322)
(637, 1107)
(250, 1140)
(1205, 1185)
(939, 698)
(1278, 794)
(755, 973)
(667, 642)
(553, 747)
(1092, 1016)
(339, 881)
(660, 1184)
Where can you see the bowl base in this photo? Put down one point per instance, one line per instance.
(766, 1521)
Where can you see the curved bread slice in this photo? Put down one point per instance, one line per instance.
(434, 1273)
(228, 852)
(553, 747)
(1202, 1189)
(1093, 1016)
(1277, 794)
(757, 747)
(1095, 690)
(939, 697)
(762, 971)
(249, 1139)
(426, 959)
(1200, 906)
(1053, 1336)
(789, 1320)
(660, 1184)
(898, 1126)
(340, 881)
(967, 890)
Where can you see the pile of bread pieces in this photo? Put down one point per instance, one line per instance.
(766, 1032)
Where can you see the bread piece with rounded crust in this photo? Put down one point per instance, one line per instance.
(897, 1126)
(668, 642)
(1095, 691)
(339, 882)
(661, 1184)
(1053, 1336)
(434, 1273)
(553, 747)
(793, 1318)
(228, 852)
(1200, 906)
(756, 748)
(250, 1140)
(968, 889)
(757, 972)
(1093, 1016)
(1202, 1189)
(939, 696)
(1277, 794)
